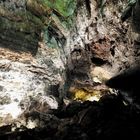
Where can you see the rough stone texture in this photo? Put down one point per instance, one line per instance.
(31, 73)
(25, 79)
(20, 29)
(108, 119)
(93, 40)
(98, 40)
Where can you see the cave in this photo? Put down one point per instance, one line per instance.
(69, 70)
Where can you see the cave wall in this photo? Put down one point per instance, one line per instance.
(40, 60)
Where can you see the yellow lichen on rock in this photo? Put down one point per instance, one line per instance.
(85, 95)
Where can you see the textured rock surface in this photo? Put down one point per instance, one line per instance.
(25, 79)
(20, 29)
(92, 40)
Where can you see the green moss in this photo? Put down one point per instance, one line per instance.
(28, 16)
(63, 7)
(24, 24)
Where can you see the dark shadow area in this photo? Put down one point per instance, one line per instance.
(127, 81)
(19, 42)
(108, 119)
(98, 61)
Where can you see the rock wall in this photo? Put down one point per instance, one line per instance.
(43, 61)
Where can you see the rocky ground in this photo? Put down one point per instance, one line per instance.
(109, 119)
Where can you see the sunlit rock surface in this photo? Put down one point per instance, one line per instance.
(27, 79)
(99, 49)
